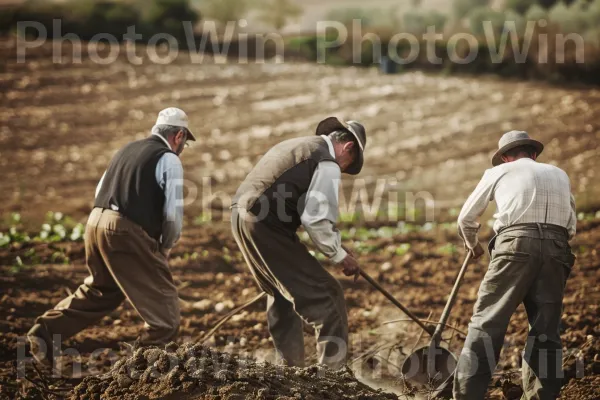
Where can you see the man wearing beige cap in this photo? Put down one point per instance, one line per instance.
(296, 183)
(136, 220)
(530, 262)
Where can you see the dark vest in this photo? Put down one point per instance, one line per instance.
(130, 184)
(275, 189)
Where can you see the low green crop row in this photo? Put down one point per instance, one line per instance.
(56, 228)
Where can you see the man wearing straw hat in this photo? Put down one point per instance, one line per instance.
(296, 183)
(530, 262)
(136, 220)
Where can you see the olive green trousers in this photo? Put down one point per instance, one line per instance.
(530, 264)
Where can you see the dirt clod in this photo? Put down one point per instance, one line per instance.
(207, 373)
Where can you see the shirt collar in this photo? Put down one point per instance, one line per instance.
(164, 140)
(329, 145)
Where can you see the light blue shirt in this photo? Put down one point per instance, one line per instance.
(169, 176)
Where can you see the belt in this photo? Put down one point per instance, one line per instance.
(533, 230)
(538, 230)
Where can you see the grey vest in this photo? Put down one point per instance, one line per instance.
(275, 190)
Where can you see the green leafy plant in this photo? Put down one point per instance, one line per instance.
(59, 257)
(364, 248)
(448, 249)
(349, 216)
(385, 232)
(402, 249)
(32, 256)
(56, 228)
(203, 218)
(582, 216)
(59, 227)
(17, 266)
(190, 256)
(15, 233)
(346, 234)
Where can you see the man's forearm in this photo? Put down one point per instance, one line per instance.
(327, 239)
(469, 235)
(468, 227)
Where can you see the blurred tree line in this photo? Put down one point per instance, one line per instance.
(87, 18)
(568, 16)
(561, 17)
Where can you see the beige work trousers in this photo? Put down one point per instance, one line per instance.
(124, 262)
(299, 290)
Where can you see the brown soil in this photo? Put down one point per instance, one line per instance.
(62, 123)
(198, 372)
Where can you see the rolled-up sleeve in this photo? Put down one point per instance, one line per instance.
(169, 175)
(321, 211)
(468, 227)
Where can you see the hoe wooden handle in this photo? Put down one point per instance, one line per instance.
(452, 299)
(396, 302)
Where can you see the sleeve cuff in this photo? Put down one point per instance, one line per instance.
(468, 235)
(472, 243)
(339, 256)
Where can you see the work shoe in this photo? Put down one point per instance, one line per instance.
(40, 345)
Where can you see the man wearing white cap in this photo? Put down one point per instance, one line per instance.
(136, 220)
(530, 262)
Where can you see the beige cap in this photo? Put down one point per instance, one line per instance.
(175, 117)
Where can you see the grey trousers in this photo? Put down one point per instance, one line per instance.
(530, 264)
(123, 262)
(299, 290)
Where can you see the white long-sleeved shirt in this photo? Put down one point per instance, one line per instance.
(169, 176)
(321, 208)
(525, 191)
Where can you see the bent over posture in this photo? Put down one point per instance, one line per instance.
(137, 218)
(296, 183)
(530, 262)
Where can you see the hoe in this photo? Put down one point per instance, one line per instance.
(430, 367)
